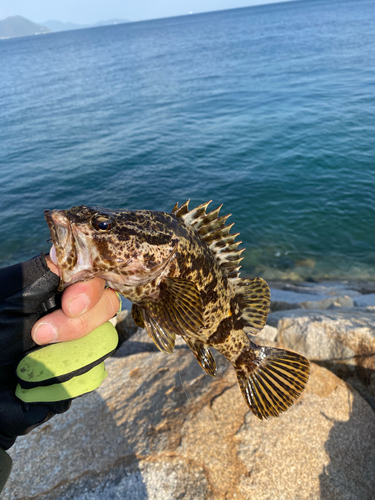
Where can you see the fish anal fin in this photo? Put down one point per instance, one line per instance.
(163, 338)
(254, 298)
(137, 316)
(271, 379)
(203, 355)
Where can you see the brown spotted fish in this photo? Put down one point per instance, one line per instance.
(181, 272)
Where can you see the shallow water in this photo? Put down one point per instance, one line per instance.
(269, 110)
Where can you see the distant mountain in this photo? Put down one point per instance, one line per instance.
(112, 21)
(19, 26)
(62, 26)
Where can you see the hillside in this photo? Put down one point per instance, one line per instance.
(19, 26)
(65, 26)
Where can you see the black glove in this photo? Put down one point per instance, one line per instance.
(27, 292)
(39, 375)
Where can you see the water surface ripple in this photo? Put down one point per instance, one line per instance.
(269, 110)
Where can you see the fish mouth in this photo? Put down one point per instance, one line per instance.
(63, 252)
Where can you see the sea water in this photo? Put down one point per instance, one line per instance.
(269, 110)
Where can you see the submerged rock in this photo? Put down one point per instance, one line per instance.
(160, 429)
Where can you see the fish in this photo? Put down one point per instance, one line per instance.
(180, 270)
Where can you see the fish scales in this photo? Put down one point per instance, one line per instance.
(181, 272)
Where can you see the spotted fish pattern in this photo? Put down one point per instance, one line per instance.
(181, 272)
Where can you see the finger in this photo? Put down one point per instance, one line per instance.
(81, 297)
(57, 327)
(53, 267)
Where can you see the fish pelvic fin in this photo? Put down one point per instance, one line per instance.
(163, 337)
(271, 379)
(203, 355)
(137, 316)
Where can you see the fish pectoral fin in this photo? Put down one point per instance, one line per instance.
(254, 298)
(163, 338)
(180, 308)
(271, 379)
(203, 355)
(137, 316)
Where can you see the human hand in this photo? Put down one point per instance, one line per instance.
(27, 292)
(84, 306)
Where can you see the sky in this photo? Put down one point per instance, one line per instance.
(91, 11)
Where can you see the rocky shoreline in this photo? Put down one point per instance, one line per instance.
(159, 428)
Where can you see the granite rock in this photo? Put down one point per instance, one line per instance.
(159, 428)
(329, 303)
(343, 341)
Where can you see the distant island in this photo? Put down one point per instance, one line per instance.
(19, 26)
(62, 26)
(16, 26)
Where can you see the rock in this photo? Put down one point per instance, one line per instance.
(279, 305)
(343, 341)
(367, 300)
(311, 263)
(330, 302)
(160, 429)
(269, 333)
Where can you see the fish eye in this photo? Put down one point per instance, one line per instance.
(103, 222)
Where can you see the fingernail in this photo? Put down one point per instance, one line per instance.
(78, 304)
(45, 334)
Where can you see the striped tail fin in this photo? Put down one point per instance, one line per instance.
(271, 379)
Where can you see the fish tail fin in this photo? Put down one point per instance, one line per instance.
(271, 379)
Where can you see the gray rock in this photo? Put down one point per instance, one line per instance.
(159, 428)
(269, 333)
(367, 300)
(329, 303)
(279, 305)
(343, 341)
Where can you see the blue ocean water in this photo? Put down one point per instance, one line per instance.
(269, 110)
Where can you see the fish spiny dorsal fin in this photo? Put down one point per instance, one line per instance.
(213, 225)
(196, 214)
(213, 230)
(206, 218)
(254, 298)
(182, 210)
(174, 209)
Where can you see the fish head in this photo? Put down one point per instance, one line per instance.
(115, 245)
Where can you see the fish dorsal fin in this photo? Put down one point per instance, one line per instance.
(212, 230)
(179, 309)
(254, 298)
(203, 355)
